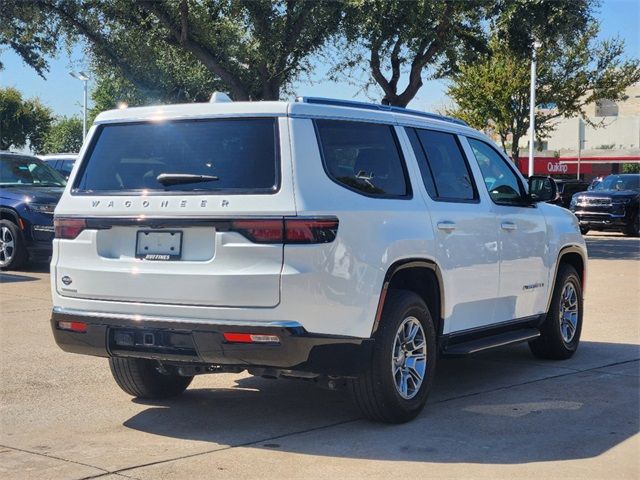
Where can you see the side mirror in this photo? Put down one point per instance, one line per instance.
(542, 189)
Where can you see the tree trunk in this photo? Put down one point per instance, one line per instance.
(515, 149)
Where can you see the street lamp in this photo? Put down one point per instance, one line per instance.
(84, 78)
(532, 106)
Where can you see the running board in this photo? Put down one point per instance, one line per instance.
(494, 341)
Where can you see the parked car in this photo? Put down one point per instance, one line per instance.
(566, 189)
(61, 162)
(614, 204)
(29, 191)
(341, 242)
(594, 183)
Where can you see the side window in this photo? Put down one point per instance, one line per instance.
(501, 181)
(445, 171)
(66, 166)
(363, 157)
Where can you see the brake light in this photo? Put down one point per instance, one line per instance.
(310, 230)
(260, 231)
(68, 228)
(291, 230)
(250, 338)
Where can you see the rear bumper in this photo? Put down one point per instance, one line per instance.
(189, 342)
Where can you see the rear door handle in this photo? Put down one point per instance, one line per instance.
(446, 226)
(509, 226)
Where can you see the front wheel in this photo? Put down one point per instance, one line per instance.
(560, 332)
(395, 387)
(633, 229)
(13, 253)
(142, 378)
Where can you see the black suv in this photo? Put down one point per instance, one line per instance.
(566, 190)
(614, 204)
(29, 192)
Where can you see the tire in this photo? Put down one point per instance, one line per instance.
(584, 230)
(13, 252)
(633, 229)
(554, 343)
(142, 379)
(375, 391)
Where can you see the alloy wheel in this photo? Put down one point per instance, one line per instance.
(7, 246)
(568, 312)
(409, 359)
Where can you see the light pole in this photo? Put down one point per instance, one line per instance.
(84, 78)
(532, 106)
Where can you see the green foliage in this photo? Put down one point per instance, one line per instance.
(22, 122)
(631, 167)
(493, 92)
(25, 28)
(180, 50)
(64, 136)
(392, 39)
(389, 39)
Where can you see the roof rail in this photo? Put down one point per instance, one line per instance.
(375, 106)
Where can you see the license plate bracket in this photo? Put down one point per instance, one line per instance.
(159, 245)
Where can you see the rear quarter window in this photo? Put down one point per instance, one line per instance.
(363, 157)
(242, 154)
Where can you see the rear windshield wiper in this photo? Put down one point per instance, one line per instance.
(167, 179)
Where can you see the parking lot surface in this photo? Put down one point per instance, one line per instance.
(502, 414)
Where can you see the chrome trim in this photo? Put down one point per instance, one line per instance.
(155, 318)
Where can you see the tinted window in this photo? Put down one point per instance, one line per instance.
(16, 170)
(363, 157)
(237, 155)
(619, 182)
(501, 181)
(65, 166)
(444, 169)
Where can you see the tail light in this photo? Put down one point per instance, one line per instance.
(289, 230)
(250, 338)
(68, 228)
(78, 327)
(260, 231)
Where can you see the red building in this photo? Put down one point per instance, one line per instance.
(590, 166)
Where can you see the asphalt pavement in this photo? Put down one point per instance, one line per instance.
(502, 414)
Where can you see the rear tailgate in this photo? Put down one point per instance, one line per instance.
(171, 242)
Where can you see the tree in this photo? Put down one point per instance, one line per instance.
(493, 92)
(398, 42)
(22, 122)
(26, 29)
(254, 48)
(391, 38)
(631, 167)
(64, 135)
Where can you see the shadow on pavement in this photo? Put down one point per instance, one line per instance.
(13, 278)
(484, 409)
(613, 248)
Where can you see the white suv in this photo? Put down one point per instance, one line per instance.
(348, 243)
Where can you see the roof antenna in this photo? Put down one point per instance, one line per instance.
(220, 97)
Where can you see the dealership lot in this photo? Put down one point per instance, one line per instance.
(498, 415)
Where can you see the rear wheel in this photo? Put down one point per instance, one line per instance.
(395, 387)
(142, 378)
(584, 230)
(560, 332)
(13, 253)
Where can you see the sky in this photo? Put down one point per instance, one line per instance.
(63, 94)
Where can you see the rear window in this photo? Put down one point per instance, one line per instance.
(226, 156)
(363, 157)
